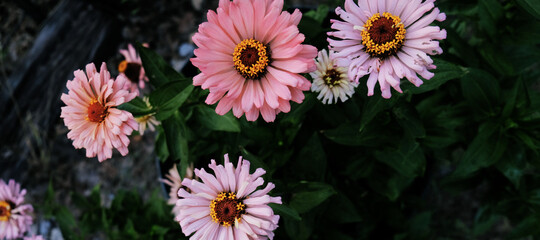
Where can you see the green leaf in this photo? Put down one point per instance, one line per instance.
(527, 227)
(342, 210)
(373, 106)
(444, 72)
(161, 148)
(312, 159)
(312, 194)
(485, 150)
(137, 107)
(157, 70)
(354, 134)
(408, 160)
(211, 120)
(284, 210)
(481, 90)
(408, 118)
(531, 6)
(320, 14)
(169, 97)
(390, 187)
(175, 130)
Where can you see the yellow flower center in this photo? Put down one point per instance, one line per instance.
(251, 58)
(226, 209)
(383, 36)
(5, 210)
(96, 112)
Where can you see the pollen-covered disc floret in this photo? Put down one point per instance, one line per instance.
(228, 204)
(91, 114)
(226, 209)
(251, 58)
(15, 216)
(388, 41)
(383, 36)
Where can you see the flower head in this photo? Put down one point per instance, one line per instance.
(250, 55)
(15, 217)
(91, 114)
(37, 237)
(330, 80)
(175, 183)
(147, 121)
(227, 204)
(387, 40)
(132, 68)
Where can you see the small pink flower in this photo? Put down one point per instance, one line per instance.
(15, 217)
(132, 68)
(250, 55)
(227, 205)
(91, 114)
(175, 183)
(38, 237)
(387, 40)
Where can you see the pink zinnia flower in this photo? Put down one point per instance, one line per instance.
(132, 68)
(388, 40)
(38, 237)
(15, 217)
(227, 205)
(250, 56)
(91, 114)
(175, 183)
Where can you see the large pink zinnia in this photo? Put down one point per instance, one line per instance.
(250, 54)
(228, 205)
(132, 68)
(91, 114)
(15, 217)
(387, 39)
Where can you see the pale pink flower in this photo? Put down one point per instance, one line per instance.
(91, 114)
(132, 68)
(387, 40)
(250, 55)
(37, 237)
(15, 217)
(227, 205)
(331, 81)
(175, 183)
(147, 121)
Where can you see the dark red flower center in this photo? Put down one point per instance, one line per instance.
(251, 58)
(226, 209)
(131, 70)
(97, 112)
(383, 36)
(382, 30)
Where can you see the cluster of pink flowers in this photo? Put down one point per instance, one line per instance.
(251, 58)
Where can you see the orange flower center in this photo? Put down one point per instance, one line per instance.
(383, 36)
(5, 210)
(226, 209)
(97, 112)
(131, 70)
(251, 58)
